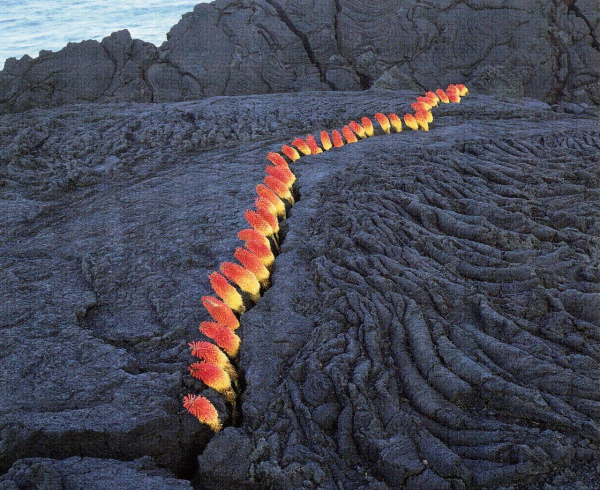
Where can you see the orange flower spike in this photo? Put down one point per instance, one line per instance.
(262, 203)
(368, 126)
(411, 122)
(462, 90)
(243, 278)
(262, 251)
(326, 141)
(290, 152)
(284, 174)
(225, 338)
(383, 122)
(253, 264)
(257, 222)
(302, 146)
(358, 129)
(312, 144)
(269, 218)
(276, 159)
(421, 118)
(203, 410)
(396, 122)
(230, 296)
(433, 95)
(265, 193)
(221, 313)
(213, 355)
(349, 135)
(337, 139)
(442, 95)
(253, 235)
(430, 101)
(429, 117)
(214, 377)
(453, 94)
(420, 106)
(279, 188)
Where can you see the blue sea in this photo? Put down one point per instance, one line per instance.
(28, 26)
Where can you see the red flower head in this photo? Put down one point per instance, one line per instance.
(284, 174)
(276, 159)
(214, 377)
(269, 218)
(222, 313)
(337, 139)
(224, 337)
(383, 122)
(368, 126)
(290, 152)
(213, 355)
(253, 264)
(453, 94)
(442, 95)
(433, 95)
(251, 234)
(243, 278)
(325, 141)
(203, 410)
(358, 129)
(226, 292)
(396, 122)
(265, 193)
(265, 204)
(279, 188)
(420, 106)
(462, 90)
(257, 222)
(312, 144)
(302, 146)
(262, 251)
(349, 135)
(421, 118)
(410, 121)
(430, 101)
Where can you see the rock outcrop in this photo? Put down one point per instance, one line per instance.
(433, 319)
(534, 48)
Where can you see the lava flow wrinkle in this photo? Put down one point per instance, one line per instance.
(239, 287)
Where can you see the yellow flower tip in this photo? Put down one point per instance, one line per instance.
(411, 122)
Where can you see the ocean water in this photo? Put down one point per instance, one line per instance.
(28, 26)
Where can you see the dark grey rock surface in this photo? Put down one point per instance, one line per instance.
(549, 50)
(433, 319)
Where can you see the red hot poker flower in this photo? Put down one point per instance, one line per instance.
(383, 122)
(337, 139)
(276, 159)
(462, 90)
(213, 355)
(430, 101)
(349, 135)
(203, 410)
(368, 126)
(262, 251)
(358, 129)
(284, 174)
(224, 337)
(396, 122)
(312, 144)
(442, 95)
(214, 377)
(269, 218)
(257, 222)
(279, 188)
(253, 264)
(453, 94)
(302, 146)
(290, 152)
(243, 278)
(432, 95)
(264, 192)
(222, 313)
(262, 203)
(421, 118)
(421, 106)
(226, 292)
(325, 141)
(251, 234)
(411, 122)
